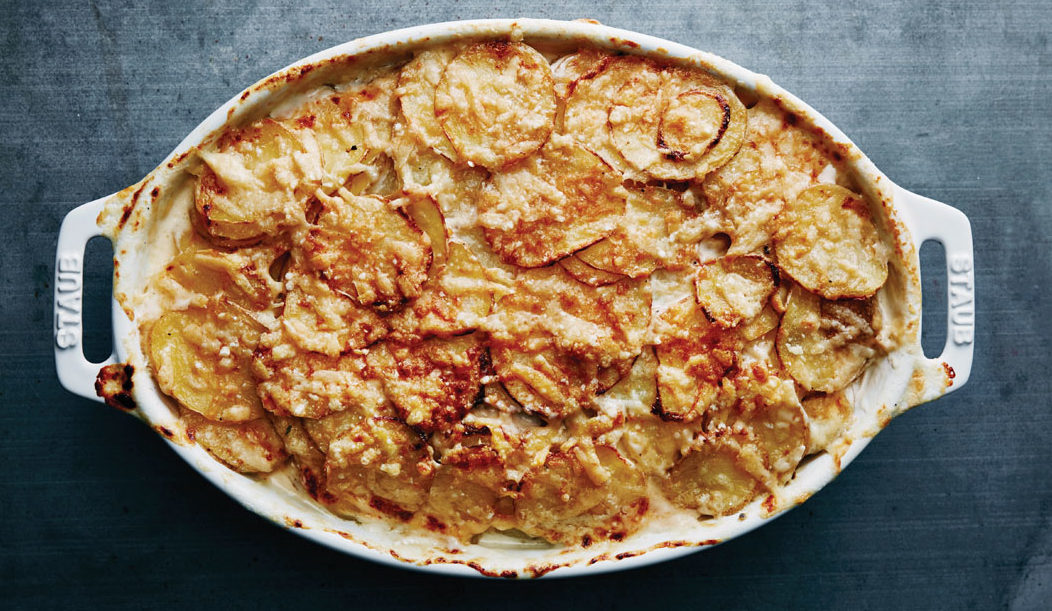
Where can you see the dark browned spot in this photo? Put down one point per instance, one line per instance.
(392, 509)
(114, 384)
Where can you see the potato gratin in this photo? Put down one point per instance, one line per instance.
(494, 289)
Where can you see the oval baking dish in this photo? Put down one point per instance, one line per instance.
(902, 379)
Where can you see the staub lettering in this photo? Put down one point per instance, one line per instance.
(68, 284)
(962, 300)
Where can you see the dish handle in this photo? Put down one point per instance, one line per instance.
(932, 220)
(75, 372)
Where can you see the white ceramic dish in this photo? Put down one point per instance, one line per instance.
(905, 378)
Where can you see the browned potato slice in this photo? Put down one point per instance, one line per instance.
(608, 377)
(373, 108)
(307, 457)
(550, 383)
(416, 94)
(381, 464)
(694, 355)
(246, 447)
(496, 103)
(717, 478)
(563, 502)
(202, 357)
(295, 382)
(465, 492)
(242, 276)
(549, 309)
(582, 272)
(643, 240)
(825, 344)
(761, 324)
(432, 383)
(255, 181)
(341, 142)
(455, 301)
(569, 68)
(319, 319)
(827, 242)
(829, 416)
(731, 290)
(392, 254)
(551, 204)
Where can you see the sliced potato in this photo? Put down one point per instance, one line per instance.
(694, 355)
(202, 358)
(551, 204)
(243, 276)
(549, 309)
(379, 464)
(562, 501)
(424, 213)
(431, 383)
(464, 495)
(717, 478)
(373, 108)
(296, 382)
(496, 103)
(392, 254)
(341, 142)
(582, 272)
(569, 68)
(825, 344)
(417, 82)
(634, 116)
(307, 457)
(731, 290)
(251, 446)
(255, 182)
(829, 416)
(319, 319)
(761, 324)
(378, 177)
(551, 383)
(828, 243)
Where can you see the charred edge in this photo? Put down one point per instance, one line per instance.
(791, 118)
(950, 373)
(155, 192)
(775, 274)
(114, 385)
(471, 429)
(486, 363)
(726, 108)
(435, 524)
(166, 432)
(392, 509)
(586, 541)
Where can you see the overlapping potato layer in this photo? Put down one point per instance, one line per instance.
(490, 289)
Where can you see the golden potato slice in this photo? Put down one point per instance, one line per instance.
(455, 301)
(424, 213)
(380, 464)
(569, 68)
(551, 383)
(496, 103)
(242, 276)
(341, 142)
(731, 290)
(391, 255)
(417, 82)
(297, 382)
(829, 415)
(825, 344)
(827, 242)
(255, 182)
(319, 319)
(646, 236)
(372, 107)
(693, 356)
(551, 204)
(582, 272)
(308, 459)
(561, 501)
(377, 177)
(717, 478)
(549, 309)
(761, 324)
(251, 446)
(202, 357)
(465, 493)
(432, 383)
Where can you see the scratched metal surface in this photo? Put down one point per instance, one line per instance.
(950, 507)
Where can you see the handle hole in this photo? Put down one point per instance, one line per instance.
(98, 299)
(933, 294)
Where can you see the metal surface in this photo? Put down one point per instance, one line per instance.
(952, 103)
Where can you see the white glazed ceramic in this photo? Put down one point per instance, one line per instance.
(904, 379)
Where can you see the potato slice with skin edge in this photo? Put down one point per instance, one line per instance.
(464, 495)
(246, 447)
(717, 478)
(425, 214)
(431, 383)
(243, 276)
(582, 272)
(341, 143)
(393, 254)
(560, 501)
(417, 82)
(550, 383)
(496, 103)
(256, 182)
(568, 69)
(731, 290)
(550, 205)
(825, 344)
(202, 358)
(828, 243)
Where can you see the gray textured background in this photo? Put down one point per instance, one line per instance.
(950, 507)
